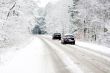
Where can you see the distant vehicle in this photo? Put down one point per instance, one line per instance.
(68, 39)
(56, 36)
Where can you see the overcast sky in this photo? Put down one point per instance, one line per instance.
(42, 3)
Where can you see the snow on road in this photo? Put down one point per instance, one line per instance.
(30, 59)
(44, 55)
(92, 46)
(69, 63)
(35, 58)
(81, 59)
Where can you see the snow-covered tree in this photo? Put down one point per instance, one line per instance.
(89, 20)
(16, 21)
(40, 25)
(93, 18)
(57, 18)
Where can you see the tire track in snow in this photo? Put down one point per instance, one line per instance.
(91, 65)
(70, 65)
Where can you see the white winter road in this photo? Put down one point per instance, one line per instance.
(44, 55)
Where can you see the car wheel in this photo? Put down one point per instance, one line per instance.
(53, 38)
(73, 43)
(63, 42)
(59, 38)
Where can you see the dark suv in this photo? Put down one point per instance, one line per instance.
(68, 39)
(56, 36)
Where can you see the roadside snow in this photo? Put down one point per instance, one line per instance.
(7, 54)
(27, 60)
(95, 47)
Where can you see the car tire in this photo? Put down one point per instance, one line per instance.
(63, 43)
(73, 43)
(52, 37)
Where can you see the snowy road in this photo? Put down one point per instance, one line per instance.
(44, 55)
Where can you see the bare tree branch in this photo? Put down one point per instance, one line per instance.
(10, 10)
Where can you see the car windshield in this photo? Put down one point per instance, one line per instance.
(70, 36)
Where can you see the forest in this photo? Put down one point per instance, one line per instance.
(88, 20)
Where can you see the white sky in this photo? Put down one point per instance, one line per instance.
(42, 3)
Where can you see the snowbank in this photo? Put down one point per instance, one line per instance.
(8, 53)
(29, 59)
(93, 46)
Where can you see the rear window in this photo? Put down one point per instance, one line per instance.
(69, 36)
(57, 34)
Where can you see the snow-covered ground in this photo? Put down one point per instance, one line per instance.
(43, 55)
(26, 60)
(88, 45)
(7, 53)
(73, 68)
(79, 59)
(93, 46)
